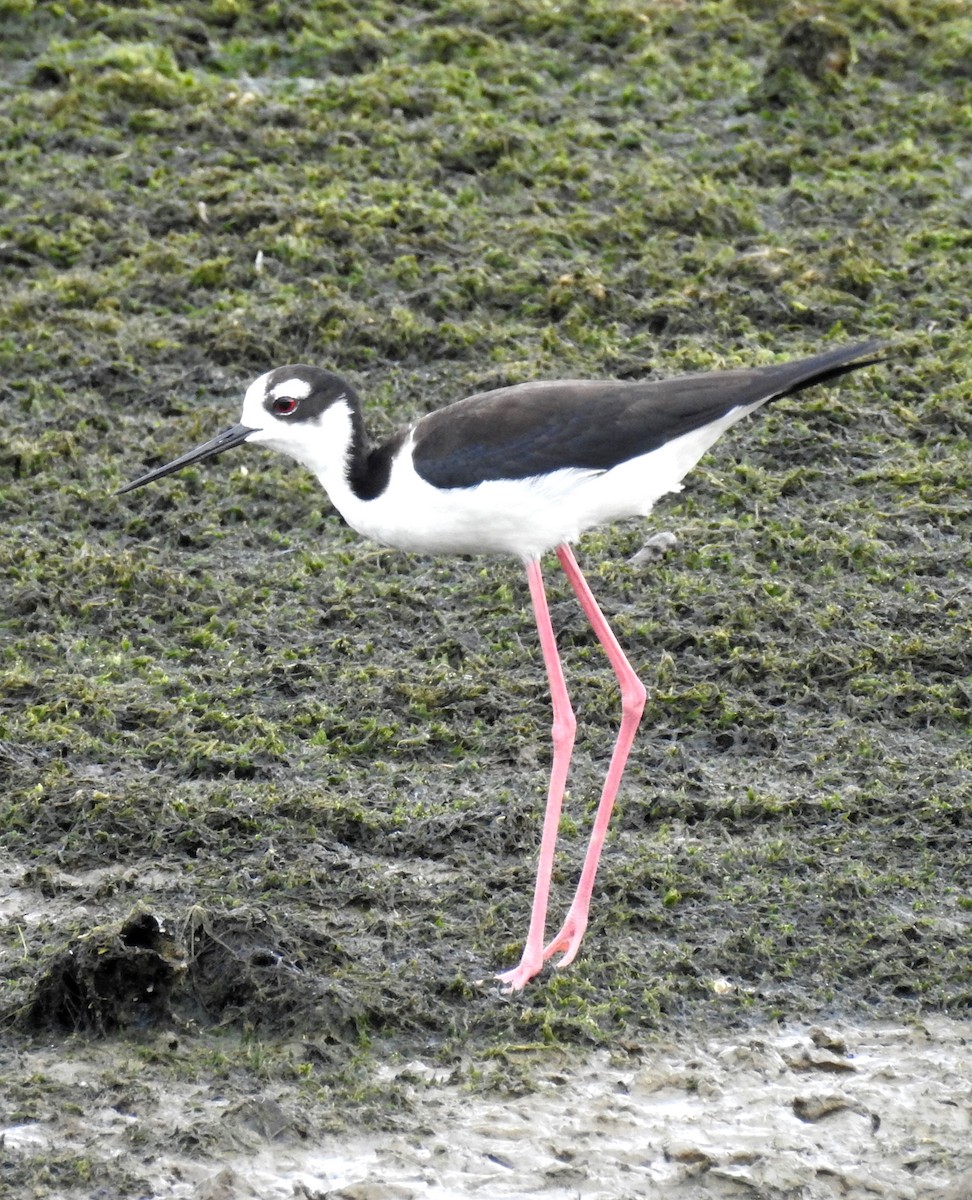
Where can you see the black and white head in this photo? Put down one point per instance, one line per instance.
(305, 412)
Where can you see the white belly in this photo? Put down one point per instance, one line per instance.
(522, 517)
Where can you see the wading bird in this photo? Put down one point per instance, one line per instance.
(520, 470)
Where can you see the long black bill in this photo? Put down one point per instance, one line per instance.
(223, 441)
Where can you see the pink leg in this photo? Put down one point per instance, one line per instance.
(632, 706)
(564, 727)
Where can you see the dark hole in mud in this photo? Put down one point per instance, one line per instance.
(142, 932)
(115, 977)
(264, 958)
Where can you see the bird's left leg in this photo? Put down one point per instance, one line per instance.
(564, 727)
(632, 706)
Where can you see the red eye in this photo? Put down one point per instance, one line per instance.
(283, 406)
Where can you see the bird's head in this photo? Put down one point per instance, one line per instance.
(305, 412)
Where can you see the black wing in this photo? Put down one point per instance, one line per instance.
(533, 428)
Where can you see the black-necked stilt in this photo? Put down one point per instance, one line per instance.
(520, 471)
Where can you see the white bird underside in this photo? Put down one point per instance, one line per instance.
(520, 517)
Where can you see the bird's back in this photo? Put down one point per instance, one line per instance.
(535, 428)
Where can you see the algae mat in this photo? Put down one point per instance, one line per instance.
(270, 796)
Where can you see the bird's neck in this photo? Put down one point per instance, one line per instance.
(340, 455)
(362, 464)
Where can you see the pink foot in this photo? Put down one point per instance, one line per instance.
(517, 979)
(568, 939)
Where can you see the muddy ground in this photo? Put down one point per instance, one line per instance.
(270, 796)
(879, 1111)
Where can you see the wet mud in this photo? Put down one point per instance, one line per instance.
(881, 1110)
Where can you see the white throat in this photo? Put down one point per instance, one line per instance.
(323, 445)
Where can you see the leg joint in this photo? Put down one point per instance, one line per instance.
(564, 727)
(633, 698)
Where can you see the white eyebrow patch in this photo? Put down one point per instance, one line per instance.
(293, 389)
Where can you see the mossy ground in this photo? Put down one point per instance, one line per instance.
(325, 761)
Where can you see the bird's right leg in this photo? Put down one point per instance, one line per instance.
(632, 706)
(564, 727)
